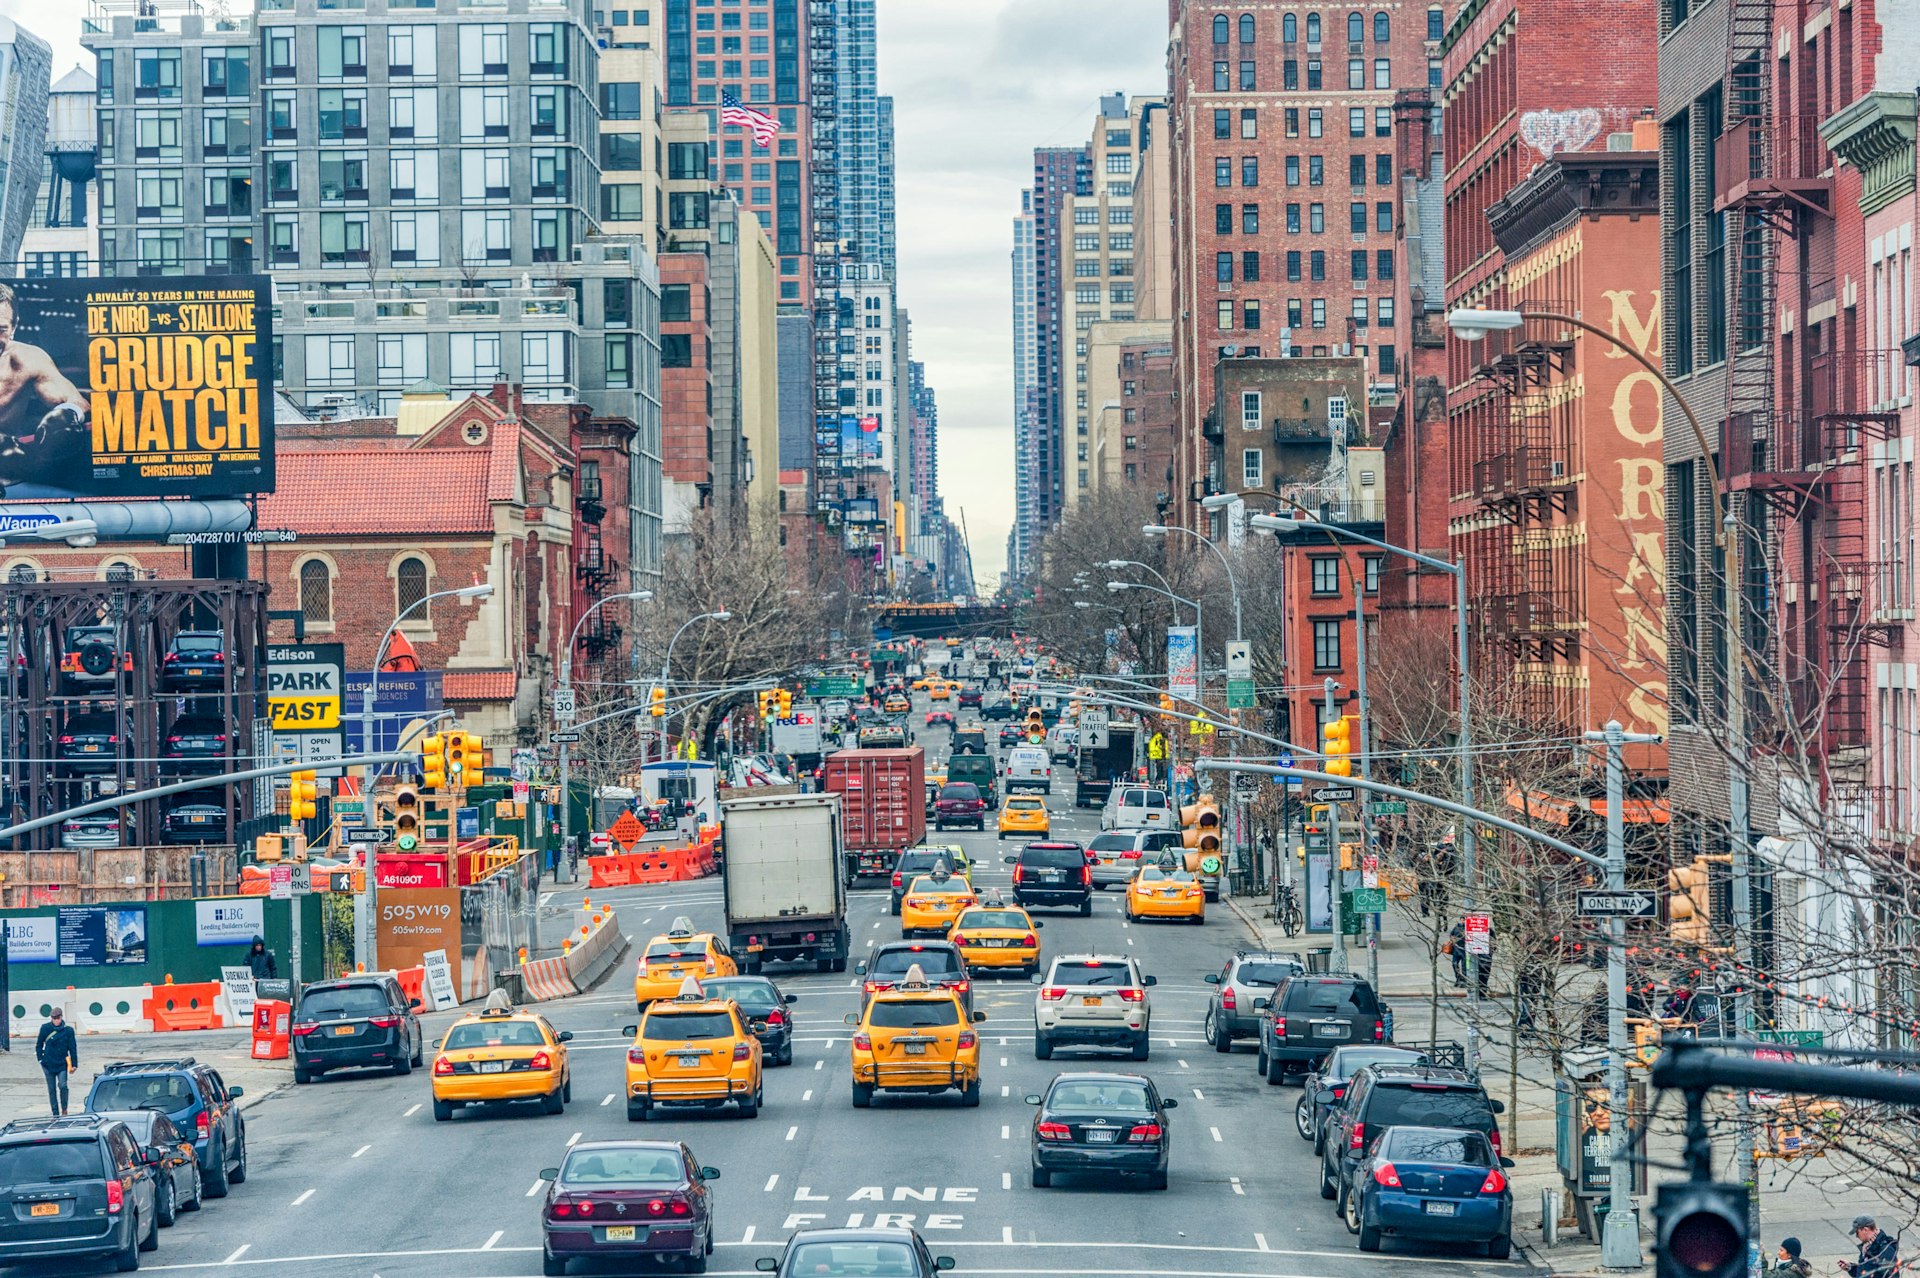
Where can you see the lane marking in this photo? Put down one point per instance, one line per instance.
(1006, 1180)
(488, 1244)
(537, 1186)
(1216, 1133)
(793, 1131)
(1184, 1065)
(1237, 1187)
(1006, 1132)
(1005, 1090)
(1006, 1234)
(302, 1198)
(1003, 1062)
(746, 1239)
(1261, 1239)
(806, 1095)
(545, 897)
(608, 1101)
(363, 1149)
(1197, 1094)
(820, 1064)
(240, 1251)
(410, 1113)
(574, 1139)
(771, 1182)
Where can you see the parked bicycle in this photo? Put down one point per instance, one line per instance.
(1286, 907)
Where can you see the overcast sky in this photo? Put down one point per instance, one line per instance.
(976, 87)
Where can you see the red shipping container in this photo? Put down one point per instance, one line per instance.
(883, 805)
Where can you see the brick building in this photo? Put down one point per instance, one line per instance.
(1286, 192)
(1130, 384)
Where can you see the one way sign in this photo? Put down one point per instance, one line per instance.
(1618, 905)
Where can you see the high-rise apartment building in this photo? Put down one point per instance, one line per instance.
(1286, 197)
(633, 199)
(1026, 393)
(60, 234)
(26, 67)
(1059, 175)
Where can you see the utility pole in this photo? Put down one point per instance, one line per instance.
(1335, 878)
(1366, 767)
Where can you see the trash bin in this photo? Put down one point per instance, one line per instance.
(271, 1035)
(1320, 960)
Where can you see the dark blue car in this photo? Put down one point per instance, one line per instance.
(198, 1101)
(1432, 1184)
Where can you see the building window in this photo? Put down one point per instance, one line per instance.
(1382, 73)
(1293, 170)
(1313, 75)
(1315, 124)
(1250, 219)
(1436, 24)
(1249, 170)
(1293, 312)
(1358, 265)
(1249, 123)
(1356, 28)
(1326, 645)
(1223, 123)
(316, 592)
(410, 589)
(1221, 28)
(676, 350)
(1356, 170)
(1383, 170)
(1289, 29)
(1224, 315)
(1316, 218)
(1326, 575)
(1222, 171)
(1313, 28)
(1383, 308)
(1316, 170)
(1246, 28)
(1222, 77)
(1252, 468)
(1383, 122)
(1383, 217)
(1371, 567)
(1356, 73)
(1383, 264)
(1247, 79)
(1250, 410)
(1293, 219)
(1319, 312)
(1317, 265)
(1223, 219)
(1357, 218)
(1223, 267)
(1289, 75)
(1250, 314)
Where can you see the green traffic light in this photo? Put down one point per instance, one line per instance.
(408, 843)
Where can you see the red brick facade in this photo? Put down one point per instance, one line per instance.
(686, 373)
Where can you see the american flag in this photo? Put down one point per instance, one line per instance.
(762, 125)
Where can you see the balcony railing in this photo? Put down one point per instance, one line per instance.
(1759, 159)
(1335, 504)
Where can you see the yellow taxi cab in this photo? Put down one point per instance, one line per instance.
(674, 955)
(898, 704)
(915, 1038)
(695, 1051)
(1166, 891)
(500, 1054)
(940, 690)
(1024, 814)
(994, 934)
(923, 682)
(933, 901)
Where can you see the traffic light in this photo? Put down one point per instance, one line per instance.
(303, 795)
(786, 703)
(1700, 1230)
(1689, 905)
(1166, 701)
(463, 757)
(433, 761)
(1349, 856)
(657, 703)
(406, 817)
(1336, 737)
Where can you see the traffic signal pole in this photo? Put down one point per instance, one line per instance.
(1336, 882)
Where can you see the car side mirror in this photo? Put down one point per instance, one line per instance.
(549, 1173)
(1211, 978)
(767, 1265)
(1506, 1162)
(1262, 1004)
(1011, 860)
(235, 1093)
(1169, 1102)
(860, 969)
(414, 1005)
(1150, 980)
(564, 1036)
(1498, 1107)
(1038, 925)
(943, 1263)
(154, 1155)
(978, 1017)
(629, 1029)
(1324, 1096)
(1037, 979)
(709, 1173)
(791, 998)
(850, 1019)
(1033, 1098)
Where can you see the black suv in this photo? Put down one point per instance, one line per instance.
(197, 1100)
(1383, 1096)
(1053, 873)
(1308, 1016)
(363, 1022)
(940, 961)
(195, 743)
(89, 743)
(1247, 976)
(195, 659)
(77, 1187)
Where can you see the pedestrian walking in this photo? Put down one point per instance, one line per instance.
(1879, 1253)
(1455, 948)
(1787, 1262)
(58, 1052)
(260, 961)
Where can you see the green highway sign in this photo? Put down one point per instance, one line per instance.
(1388, 807)
(834, 686)
(1793, 1038)
(1369, 900)
(1239, 694)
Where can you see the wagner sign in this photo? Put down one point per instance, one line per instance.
(136, 387)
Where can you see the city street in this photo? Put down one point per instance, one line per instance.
(353, 1176)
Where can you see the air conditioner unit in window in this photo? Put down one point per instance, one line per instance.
(1559, 468)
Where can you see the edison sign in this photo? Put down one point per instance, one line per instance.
(136, 387)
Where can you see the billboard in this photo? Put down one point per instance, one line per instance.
(144, 387)
(1183, 662)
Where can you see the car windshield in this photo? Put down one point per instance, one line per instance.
(139, 1121)
(874, 1259)
(1263, 973)
(662, 952)
(1112, 843)
(1101, 1094)
(993, 918)
(196, 643)
(754, 996)
(913, 1013)
(894, 963)
(51, 1160)
(169, 1092)
(1091, 972)
(960, 790)
(343, 1001)
(1345, 1061)
(494, 1034)
(1430, 1106)
(1337, 999)
(683, 1026)
(1417, 1146)
(623, 1167)
(1053, 858)
(954, 886)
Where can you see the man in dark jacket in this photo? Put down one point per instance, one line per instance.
(59, 1054)
(1879, 1254)
(260, 961)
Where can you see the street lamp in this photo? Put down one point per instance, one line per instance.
(1233, 583)
(78, 533)
(666, 663)
(566, 687)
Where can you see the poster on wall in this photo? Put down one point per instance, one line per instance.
(32, 940)
(136, 387)
(416, 921)
(228, 922)
(101, 935)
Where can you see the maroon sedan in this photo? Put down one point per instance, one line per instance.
(959, 804)
(623, 1199)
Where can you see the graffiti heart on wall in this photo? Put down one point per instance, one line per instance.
(1549, 132)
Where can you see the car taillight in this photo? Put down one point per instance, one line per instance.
(636, 1057)
(1229, 1001)
(1379, 1031)
(710, 967)
(967, 1039)
(384, 1022)
(1359, 1137)
(776, 1017)
(442, 1065)
(174, 740)
(958, 987)
(1279, 1027)
(740, 1051)
(1385, 1174)
(116, 1195)
(1494, 1183)
(561, 1210)
(896, 878)
(1130, 855)
(862, 1043)
(1053, 1131)
(1493, 1138)
(1030, 940)
(1133, 996)
(540, 1061)
(1339, 1092)
(586, 1207)
(1145, 1132)
(958, 938)
(301, 1030)
(1051, 993)
(203, 1124)
(1086, 877)
(1017, 871)
(66, 740)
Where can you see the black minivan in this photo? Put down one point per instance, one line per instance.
(363, 1022)
(76, 1187)
(1306, 1017)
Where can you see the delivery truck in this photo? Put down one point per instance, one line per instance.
(883, 806)
(782, 880)
(1106, 754)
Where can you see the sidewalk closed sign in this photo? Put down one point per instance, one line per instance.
(439, 983)
(240, 991)
(1479, 934)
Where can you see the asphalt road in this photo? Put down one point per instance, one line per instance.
(353, 1177)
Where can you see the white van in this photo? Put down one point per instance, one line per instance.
(1060, 743)
(1135, 807)
(1028, 768)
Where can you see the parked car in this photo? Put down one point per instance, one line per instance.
(1308, 1016)
(960, 804)
(1053, 873)
(196, 1098)
(195, 743)
(90, 659)
(1247, 976)
(194, 823)
(93, 830)
(657, 1185)
(1092, 1000)
(1101, 1123)
(175, 1166)
(1437, 1184)
(90, 743)
(356, 1022)
(194, 659)
(13, 662)
(1332, 1077)
(1383, 1096)
(78, 1188)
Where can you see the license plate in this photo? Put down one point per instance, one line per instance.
(1439, 1209)
(196, 670)
(89, 749)
(342, 1031)
(1101, 1135)
(619, 1233)
(1052, 876)
(1090, 1000)
(688, 1062)
(1329, 1031)
(1169, 891)
(755, 949)
(916, 1049)
(44, 1209)
(493, 1067)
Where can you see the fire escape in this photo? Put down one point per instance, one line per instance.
(1801, 416)
(596, 570)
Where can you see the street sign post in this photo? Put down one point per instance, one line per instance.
(565, 738)
(1388, 807)
(563, 703)
(1333, 794)
(1793, 1038)
(1603, 904)
(379, 836)
(1479, 931)
(1369, 900)
(1239, 675)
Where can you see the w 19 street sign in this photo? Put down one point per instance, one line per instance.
(1602, 904)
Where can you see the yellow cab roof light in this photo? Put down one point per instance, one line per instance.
(690, 992)
(681, 927)
(916, 978)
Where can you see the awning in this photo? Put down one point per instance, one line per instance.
(1560, 809)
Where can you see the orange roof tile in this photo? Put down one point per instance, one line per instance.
(504, 450)
(329, 492)
(479, 685)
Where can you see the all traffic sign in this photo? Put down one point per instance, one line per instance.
(1603, 904)
(1333, 794)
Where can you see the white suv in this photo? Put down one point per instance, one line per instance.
(1137, 807)
(1092, 1000)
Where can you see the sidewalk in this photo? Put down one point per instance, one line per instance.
(1800, 1199)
